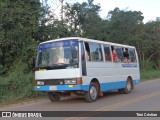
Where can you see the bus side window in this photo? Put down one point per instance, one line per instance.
(96, 52)
(132, 55)
(114, 54)
(107, 52)
(126, 57)
(117, 54)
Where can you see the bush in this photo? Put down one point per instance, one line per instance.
(150, 74)
(145, 65)
(18, 84)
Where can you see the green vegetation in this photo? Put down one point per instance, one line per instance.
(24, 24)
(149, 75)
(18, 84)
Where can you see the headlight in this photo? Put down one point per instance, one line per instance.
(72, 81)
(40, 83)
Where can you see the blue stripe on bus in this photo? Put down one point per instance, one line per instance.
(103, 86)
(58, 87)
(112, 85)
(115, 85)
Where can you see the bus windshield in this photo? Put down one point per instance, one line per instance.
(56, 55)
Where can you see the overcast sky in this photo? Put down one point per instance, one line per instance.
(149, 8)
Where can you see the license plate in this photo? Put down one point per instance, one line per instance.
(53, 88)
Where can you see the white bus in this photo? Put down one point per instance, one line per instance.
(85, 67)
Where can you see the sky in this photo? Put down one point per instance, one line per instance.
(149, 8)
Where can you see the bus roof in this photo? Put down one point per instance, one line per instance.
(88, 40)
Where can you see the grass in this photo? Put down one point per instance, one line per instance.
(23, 100)
(17, 85)
(149, 75)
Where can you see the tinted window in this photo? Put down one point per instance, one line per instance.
(119, 53)
(107, 53)
(96, 52)
(132, 55)
(126, 57)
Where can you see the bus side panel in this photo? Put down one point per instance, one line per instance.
(111, 75)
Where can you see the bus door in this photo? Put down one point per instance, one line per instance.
(83, 60)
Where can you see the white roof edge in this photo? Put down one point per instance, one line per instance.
(58, 39)
(89, 40)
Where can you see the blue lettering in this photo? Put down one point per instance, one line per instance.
(66, 43)
(129, 65)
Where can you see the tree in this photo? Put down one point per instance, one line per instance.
(152, 38)
(123, 24)
(19, 20)
(83, 19)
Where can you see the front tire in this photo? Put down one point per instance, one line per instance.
(92, 94)
(53, 97)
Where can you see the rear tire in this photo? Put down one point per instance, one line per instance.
(127, 89)
(92, 94)
(53, 97)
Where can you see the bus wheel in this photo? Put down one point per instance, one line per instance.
(53, 97)
(127, 89)
(92, 94)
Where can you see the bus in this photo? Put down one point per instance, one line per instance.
(76, 66)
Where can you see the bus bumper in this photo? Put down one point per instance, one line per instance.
(61, 88)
